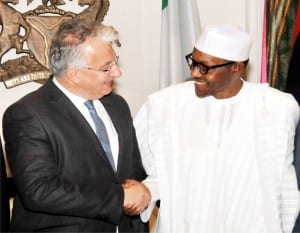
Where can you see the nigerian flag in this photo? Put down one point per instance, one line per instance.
(179, 30)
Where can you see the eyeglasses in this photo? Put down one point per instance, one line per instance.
(107, 68)
(203, 69)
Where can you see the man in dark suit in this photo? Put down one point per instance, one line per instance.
(68, 178)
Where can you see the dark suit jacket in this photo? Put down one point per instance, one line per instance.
(63, 178)
(4, 194)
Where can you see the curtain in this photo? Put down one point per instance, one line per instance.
(280, 16)
(293, 81)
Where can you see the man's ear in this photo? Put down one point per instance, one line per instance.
(238, 68)
(72, 74)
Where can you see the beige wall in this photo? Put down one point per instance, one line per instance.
(138, 22)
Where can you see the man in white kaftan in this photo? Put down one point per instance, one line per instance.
(219, 162)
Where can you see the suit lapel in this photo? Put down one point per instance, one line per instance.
(115, 120)
(63, 104)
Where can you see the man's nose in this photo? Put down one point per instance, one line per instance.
(195, 73)
(115, 71)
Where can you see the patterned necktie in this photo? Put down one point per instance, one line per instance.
(100, 131)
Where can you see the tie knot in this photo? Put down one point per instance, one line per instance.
(89, 104)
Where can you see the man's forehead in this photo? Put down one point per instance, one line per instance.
(201, 56)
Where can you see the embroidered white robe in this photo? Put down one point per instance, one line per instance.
(220, 165)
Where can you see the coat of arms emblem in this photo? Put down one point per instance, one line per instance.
(35, 28)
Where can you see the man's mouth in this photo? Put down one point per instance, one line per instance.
(200, 81)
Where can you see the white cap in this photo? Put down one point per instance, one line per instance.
(225, 41)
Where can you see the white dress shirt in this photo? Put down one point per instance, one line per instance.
(79, 104)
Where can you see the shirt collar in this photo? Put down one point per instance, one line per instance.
(74, 98)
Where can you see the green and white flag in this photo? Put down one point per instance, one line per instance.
(179, 30)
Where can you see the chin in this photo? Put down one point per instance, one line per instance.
(200, 94)
(107, 92)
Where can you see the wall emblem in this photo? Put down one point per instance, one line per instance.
(31, 32)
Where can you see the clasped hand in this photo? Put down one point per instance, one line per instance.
(136, 197)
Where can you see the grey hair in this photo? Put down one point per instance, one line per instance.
(65, 49)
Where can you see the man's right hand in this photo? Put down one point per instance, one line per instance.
(136, 197)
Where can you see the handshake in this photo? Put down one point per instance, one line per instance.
(136, 197)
